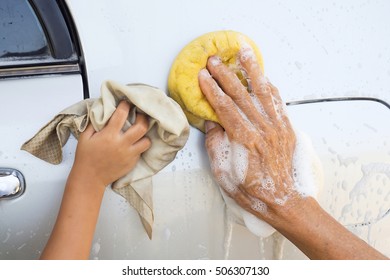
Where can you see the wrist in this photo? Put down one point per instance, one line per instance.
(319, 236)
(297, 212)
(84, 180)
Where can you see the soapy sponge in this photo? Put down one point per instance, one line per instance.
(183, 82)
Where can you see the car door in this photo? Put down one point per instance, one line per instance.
(137, 43)
(40, 74)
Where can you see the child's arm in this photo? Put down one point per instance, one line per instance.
(101, 158)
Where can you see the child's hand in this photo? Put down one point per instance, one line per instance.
(109, 154)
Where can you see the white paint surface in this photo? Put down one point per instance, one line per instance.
(311, 49)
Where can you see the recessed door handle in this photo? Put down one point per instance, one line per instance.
(12, 183)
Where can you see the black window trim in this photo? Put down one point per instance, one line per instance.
(76, 40)
(37, 69)
(55, 28)
(63, 40)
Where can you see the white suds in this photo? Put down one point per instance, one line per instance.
(232, 163)
(268, 184)
(246, 51)
(96, 248)
(308, 174)
(308, 178)
(257, 226)
(229, 222)
(258, 205)
(281, 201)
(215, 61)
(280, 108)
(259, 107)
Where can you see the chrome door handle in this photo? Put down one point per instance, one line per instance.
(12, 183)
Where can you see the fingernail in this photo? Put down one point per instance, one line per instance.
(215, 60)
(204, 73)
(247, 53)
(124, 101)
(245, 45)
(208, 125)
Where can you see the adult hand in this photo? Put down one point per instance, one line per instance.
(251, 154)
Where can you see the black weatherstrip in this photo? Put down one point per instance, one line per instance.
(55, 27)
(76, 41)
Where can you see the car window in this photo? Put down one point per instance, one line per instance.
(21, 34)
(38, 37)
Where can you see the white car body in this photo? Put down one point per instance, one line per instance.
(315, 50)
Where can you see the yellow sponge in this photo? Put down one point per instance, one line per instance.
(183, 82)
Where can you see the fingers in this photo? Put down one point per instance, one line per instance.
(135, 131)
(138, 129)
(217, 146)
(119, 117)
(265, 93)
(218, 149)
(228, 81)
(227, 111)
(233, 87)
(142, 145)
(134, 137)
(88, 132)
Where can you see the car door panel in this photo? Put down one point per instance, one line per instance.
(26, 105)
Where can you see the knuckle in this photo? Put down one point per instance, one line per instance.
(142, 128)
(121, 112)
(142, 123)
(148, 142)
(265, 89)
(144, 144)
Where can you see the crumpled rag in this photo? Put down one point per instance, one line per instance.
(168, 132)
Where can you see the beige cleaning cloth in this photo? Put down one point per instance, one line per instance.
(168, 132)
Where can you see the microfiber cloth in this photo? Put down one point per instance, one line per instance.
(168, 132)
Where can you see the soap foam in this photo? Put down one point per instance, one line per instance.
(246, 51)
(308, 179)
(259, 107)
(257, 226)
(308, 174)
(280, 108)
(281, 201)
(268, 184)
(241, 216)
(231, 162)
(258, 205)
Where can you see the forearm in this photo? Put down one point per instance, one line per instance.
(320, 236)
(73, 232)
(101, 159)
